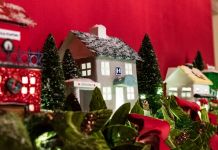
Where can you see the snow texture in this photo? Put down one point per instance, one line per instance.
(15, 13)
(110, 47)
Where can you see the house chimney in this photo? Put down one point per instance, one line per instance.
(99, 30)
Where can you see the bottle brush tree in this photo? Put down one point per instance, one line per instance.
(52, 77)
(70, 68)
(148, 74)
(97, 101)
(198, 61)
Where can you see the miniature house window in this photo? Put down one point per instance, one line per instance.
(24, 79)
(128, 68)
(32, 80)
(173, 91)
(86, 69)
(32, 90)
(107, 93)
(186, 92)
(105, 68)
(130, 93)
(24, 90)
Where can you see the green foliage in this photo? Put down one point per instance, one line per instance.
(120, 116)
(154, 102)
(204, 115)
(52, 77)
(38, 124)
(70, 68)
(95, 120)
(186, 133)
(48, 141)
(71, 103)
(148, 74)
(117, 135)
(73, 139)
(137, 108)
(198, 61)
(77, 119)
(13, 134)
(97, 101)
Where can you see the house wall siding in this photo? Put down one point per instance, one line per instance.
(107, 81)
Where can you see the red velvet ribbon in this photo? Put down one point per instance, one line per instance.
(151, 130)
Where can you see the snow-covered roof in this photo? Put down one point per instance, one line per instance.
(109, 47)
(16, 14)
(195, 75)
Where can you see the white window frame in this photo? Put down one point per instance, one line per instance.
(128, 68)
(186, 92)
(105, 68)
(130, 92)
(107, 93)
(173, 91)
(86, 69)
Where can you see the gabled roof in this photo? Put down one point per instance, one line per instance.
(195, 75)
(14, 14)
(109, 47)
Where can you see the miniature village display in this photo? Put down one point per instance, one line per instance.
(79, 86)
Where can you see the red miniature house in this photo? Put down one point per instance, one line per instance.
(20, 86)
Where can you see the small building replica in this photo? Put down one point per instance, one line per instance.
(20, 70)
(212, 74)
(186, 82)
(107, 61)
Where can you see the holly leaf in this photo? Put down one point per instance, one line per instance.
(121, 115)
(137, 108)
(116, 135)
(95, 120)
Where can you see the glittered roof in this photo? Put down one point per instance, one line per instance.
(109, 47)
(14, 14)
(195, 75)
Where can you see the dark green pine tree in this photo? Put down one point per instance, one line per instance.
(97, 102)
(148, 74)
(72, 103)
(52, 77)
(70, 68)
(198, 61)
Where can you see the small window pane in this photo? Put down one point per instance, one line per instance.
(107, 93)
(88, 65)
(88, 72)
(130, 93)
(83, 66)
(32, 80)
(25, 80)
(84, 73)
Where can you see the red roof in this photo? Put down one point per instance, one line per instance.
(14, 14)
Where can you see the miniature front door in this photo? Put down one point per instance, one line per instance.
(119, 97)
(85, 98)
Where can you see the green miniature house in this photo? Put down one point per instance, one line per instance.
(213, 76)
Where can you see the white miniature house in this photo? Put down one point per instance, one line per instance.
(105, 60)
(185, 82)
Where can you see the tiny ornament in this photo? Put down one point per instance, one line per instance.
(14, 86)
(8, 46)
(145, 105)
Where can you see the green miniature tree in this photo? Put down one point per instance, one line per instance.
(198, 61)
(72, 103)
(52, 77)
(148, 74)
(97, 101)
(70, 68)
